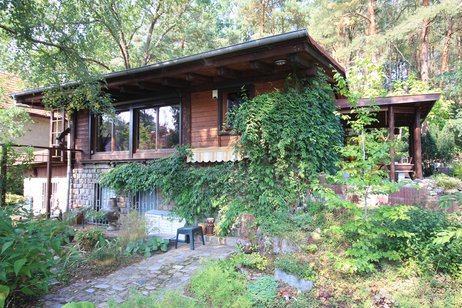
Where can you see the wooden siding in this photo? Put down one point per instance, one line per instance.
(82, 140)
(204, 116)
(204, 128)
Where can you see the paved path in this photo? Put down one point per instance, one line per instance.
(171, 270)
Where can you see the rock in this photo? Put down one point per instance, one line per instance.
(102, 286)
(293, 281)
(90, 290)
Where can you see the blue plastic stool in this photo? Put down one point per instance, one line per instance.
(189, 232)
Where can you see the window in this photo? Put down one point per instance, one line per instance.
(113, 135)
(158, 128)
(229, 101)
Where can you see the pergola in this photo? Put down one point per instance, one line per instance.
(399, 111)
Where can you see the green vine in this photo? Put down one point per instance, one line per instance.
(287, 137)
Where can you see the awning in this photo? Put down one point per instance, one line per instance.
(213, 155)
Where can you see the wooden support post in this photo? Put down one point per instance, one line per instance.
(411, 142)
(391, 129)
(48, 185)
(3, 166)
(417, 145)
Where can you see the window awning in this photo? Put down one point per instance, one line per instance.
(213, 155)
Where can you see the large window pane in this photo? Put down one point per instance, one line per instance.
(103, 142)
(147, 128)
(169, 130)
(121, 130)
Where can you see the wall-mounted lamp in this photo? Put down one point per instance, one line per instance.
(280, 62)
(214, 94)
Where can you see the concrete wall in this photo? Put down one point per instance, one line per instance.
(34, 189)
(36, 132)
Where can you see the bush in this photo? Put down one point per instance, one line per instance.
(12, 199)
(87, 239)
(220, 287)
(457, 169)
(146, 247)
(263, 291)
(28, 246)
(292, 264)
(447, 182)
(253, 260)
(107, 252)
(158, 299)
(132, 228)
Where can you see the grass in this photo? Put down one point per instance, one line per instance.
(447, 182)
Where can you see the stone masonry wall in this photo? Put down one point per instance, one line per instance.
(83, 184)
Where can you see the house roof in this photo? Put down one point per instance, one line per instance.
(228, 66)
(12, 83)
(404, 107)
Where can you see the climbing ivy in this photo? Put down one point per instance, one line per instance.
(287, 138)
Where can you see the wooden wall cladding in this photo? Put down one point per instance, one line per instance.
(204, 116)
(82, 141)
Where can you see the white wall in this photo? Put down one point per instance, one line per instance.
(34, 190)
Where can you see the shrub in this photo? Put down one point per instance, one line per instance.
(87, 239)
(12, 199)
(263, 291)
(294, 265)
(146, 247)
(457, 169)
(159, 299)
(447, 182)
(132, 228)
(253, 260)
(106, 251)
(219, 287)
(28, 246)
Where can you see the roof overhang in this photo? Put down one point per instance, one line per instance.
(404, 108)
(234, 65)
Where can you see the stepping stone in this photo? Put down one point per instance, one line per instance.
(102, 286)
(118, 288)
(90, 290)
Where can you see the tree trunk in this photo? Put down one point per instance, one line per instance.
(372, 25)
(262, 17)
(447, 44)
(424, 58)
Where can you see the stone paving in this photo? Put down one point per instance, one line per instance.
(171, 270)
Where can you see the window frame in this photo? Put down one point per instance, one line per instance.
(133, 130)
(223, 106)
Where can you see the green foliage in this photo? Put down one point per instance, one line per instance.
(295, 265)
(132, 228)
(447, 182)
(106, 250)
(457, 169)
(252, 260)
(287, 137)
(4, 291)
(220, 287)
(158, 299)
(369, 238)
(28, 246)
(12, 199)
(87, 239)
(262, 291)
(146, 247)
(79, 305)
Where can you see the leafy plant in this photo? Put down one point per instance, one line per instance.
(262, 292)
(447, 182)
(146, 247)
(218, 286)
(87, 239)
(107, 250)
(28, 246)
(132, 228)
(158, 299)
(294, 265)
(79, 305)
(253, 260)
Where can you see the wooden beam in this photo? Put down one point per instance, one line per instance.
(417, 145)
(261, 67)
(3, 166)
(411, 142)
(175, 83)
(186, 119)
(150, 86)
(199, 78)
(391, 132)
(299, 61)
(48, 184)
(228, 73)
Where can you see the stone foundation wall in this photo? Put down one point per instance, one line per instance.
(83, 184)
